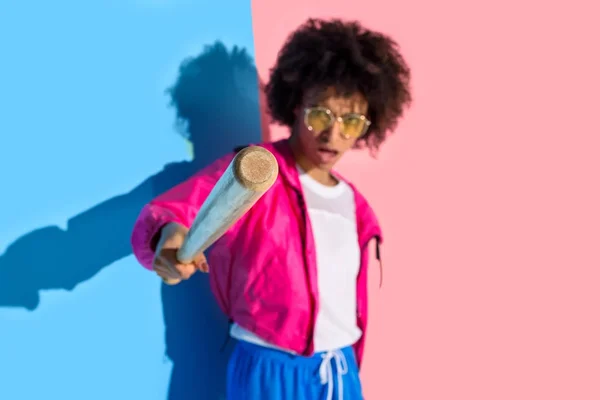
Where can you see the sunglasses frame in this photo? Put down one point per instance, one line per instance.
(339, 119)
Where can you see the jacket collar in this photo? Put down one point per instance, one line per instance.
(287, 163)
(368, 226)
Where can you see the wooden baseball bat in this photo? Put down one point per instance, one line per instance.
(249, 175)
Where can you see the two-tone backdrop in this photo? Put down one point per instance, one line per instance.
(488, 194)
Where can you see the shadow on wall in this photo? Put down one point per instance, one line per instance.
(215, 97)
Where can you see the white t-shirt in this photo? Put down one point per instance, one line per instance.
(332, 214)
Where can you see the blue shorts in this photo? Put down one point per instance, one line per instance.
(261, 373)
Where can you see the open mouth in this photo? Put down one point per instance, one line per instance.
(326, 154)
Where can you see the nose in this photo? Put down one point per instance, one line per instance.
(336, 130)
(331, 134)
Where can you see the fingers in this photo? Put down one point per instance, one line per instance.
(200, 263)
(172, 271)
(171, 282)
(165, 270)
(203, 267)
(185, 270)
(199, 259)
(168, 270)
(176, 271)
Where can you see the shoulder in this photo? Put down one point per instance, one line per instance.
(366, 217)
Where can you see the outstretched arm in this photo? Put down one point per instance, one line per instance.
(179, 204)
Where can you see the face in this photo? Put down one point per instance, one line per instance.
(328, 125)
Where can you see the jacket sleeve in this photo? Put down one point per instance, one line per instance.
(179, 204)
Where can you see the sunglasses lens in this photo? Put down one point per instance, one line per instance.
(318, 120)
(354, 126)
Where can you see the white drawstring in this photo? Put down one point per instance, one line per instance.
(326, 372)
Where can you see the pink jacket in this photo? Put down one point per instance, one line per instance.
(263, 271)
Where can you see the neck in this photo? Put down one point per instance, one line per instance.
(320, 175)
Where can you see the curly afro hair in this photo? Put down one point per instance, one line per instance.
(344, 55)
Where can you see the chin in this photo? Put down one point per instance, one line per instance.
(326, 166)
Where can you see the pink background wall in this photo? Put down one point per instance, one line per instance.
(489, 197)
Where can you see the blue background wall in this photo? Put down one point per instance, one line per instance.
(87, 136)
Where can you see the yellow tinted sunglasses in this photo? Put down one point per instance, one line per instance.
(352, 125)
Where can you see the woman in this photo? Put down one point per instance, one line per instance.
(291, 274)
